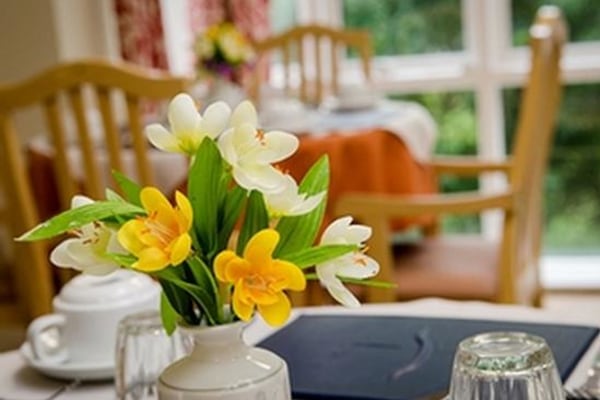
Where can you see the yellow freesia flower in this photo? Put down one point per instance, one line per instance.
(161, 238)
(259, 279)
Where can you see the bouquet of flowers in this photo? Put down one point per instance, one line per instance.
(243, 236)
(222, 51)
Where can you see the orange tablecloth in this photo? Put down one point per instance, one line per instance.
(365, 161)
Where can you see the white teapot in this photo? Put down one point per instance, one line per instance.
(86, 314)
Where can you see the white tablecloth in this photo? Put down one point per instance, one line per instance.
(19, 382)
(169, 169)
(410, 121)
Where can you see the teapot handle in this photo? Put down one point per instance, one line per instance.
(44, 335)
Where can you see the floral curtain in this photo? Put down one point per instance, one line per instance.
(250, 16)
(204, 13)
(141, 32)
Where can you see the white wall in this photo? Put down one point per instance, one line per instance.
(37, 34)
(28, 38)
(85, 28)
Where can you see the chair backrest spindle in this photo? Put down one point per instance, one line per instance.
(309, 41)
(533, 141)
(138, 140)
(113, 140)
(66, 187)
(93, 184)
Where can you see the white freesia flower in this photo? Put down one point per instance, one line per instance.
(251, 151)
(87, 252)
(353, 265)
(289, 202)
(188, 126)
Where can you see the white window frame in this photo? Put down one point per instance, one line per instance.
(488, 64)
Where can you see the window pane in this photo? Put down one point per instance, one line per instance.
(404, 27)
(572, 198)
(583, 18)
(282, 14)
(455, 115)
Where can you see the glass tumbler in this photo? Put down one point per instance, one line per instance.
(504, 366)
(143, 351)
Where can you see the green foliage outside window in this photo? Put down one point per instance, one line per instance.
(455, 116)
(405, 27)
(583, 18)
(572, 198)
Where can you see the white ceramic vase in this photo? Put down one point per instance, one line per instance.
(221, 366)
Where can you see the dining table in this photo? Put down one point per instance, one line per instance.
(18, 381)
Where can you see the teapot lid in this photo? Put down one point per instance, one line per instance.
(121, 286)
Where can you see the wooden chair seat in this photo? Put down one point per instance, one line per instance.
(458, 267)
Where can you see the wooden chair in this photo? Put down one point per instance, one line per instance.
(29, 282)
(462, 267)
(297, 46)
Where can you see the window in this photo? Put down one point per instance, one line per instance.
(282, 14)
(465, 60)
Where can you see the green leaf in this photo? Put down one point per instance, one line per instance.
(201, 296)
(204, 191)
(203, 299)
(256, 218)
(203, 277)
(232, 208)
(111, 195)
(181, 301)
(77, 217)
(354, 281)
(369, 282)
(318, 254)
(168, 315)
(300, 232)
(131, 190)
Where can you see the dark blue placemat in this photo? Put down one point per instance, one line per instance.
(395, 358)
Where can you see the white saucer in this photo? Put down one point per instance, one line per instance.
(85, 371)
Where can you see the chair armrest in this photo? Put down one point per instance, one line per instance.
(391, 206)
(468, 166)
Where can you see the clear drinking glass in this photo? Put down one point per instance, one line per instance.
(143, 351)
(505, 366)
